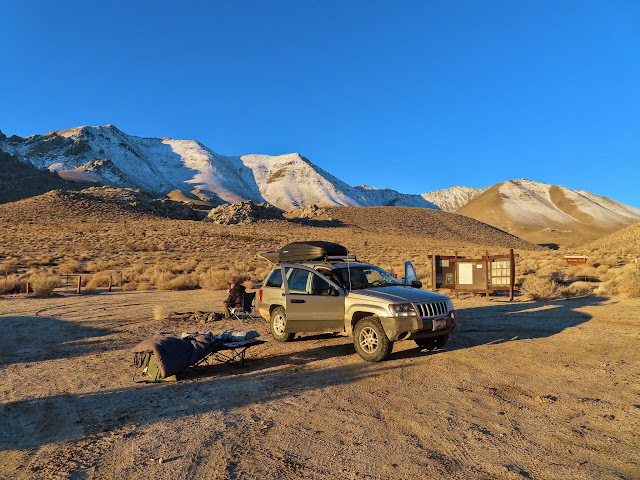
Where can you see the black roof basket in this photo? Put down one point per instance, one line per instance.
(309, 252)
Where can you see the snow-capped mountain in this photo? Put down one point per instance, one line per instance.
(534, 210)
(186, 169)
(106, 155)
(453, 198)
(379, 197)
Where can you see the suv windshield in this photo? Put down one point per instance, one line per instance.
(365, 276)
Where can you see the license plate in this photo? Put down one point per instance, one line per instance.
(439, 323)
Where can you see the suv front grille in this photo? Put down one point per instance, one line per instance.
(435, 309)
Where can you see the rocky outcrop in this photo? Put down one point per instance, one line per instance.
(244, 213)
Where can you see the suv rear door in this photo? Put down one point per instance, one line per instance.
(310, 304)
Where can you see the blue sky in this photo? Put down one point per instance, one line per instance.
(414, 96)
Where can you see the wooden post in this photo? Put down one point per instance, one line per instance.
(455, 273)
(28, 288)
(512, 274)
(79, 283)
(433, 271)
(488, 272)
(110, 282)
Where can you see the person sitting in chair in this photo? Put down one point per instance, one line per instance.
(234, 300)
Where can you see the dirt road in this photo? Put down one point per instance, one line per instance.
(522, 390)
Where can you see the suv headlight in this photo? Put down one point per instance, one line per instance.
(450, 305)
(402, 309)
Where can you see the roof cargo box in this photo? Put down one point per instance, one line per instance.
(314, 250)
(305, 251)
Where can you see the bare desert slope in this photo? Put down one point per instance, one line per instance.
(627, 238)
(141, 240)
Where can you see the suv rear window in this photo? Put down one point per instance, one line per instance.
(275, 279)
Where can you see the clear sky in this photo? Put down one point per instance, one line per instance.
(410, 95)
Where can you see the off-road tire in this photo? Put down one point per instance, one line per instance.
(371, 343)
(442, 340)
(427, 343)
(278, 323)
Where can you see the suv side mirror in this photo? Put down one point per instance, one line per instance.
(416, 284)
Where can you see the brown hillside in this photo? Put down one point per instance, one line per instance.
(538, 220)
(627, 238)
(436, 224)
(123, 232)
(92, 204)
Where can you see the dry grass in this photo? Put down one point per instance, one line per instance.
(625, 284)
(540, 289)
(577, 289)
(147, 252)
(12, 284)
(44, 284)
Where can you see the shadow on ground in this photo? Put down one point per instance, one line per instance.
(47, 338)
(36, 422)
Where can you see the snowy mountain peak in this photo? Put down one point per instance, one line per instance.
(453, 198)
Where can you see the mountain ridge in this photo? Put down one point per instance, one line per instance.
(187, 169)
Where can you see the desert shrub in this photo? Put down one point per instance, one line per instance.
(44, 284)
(611, 261)
(181, 282)
(97, 266)
(576, 289)
(144, 286)
(70, 266)
(130, 286)
(12, 284)
(9, 266)
(160, 312)
(585, 272)
(214, 279)
(99, 280)
(625, 284)
(539, 288)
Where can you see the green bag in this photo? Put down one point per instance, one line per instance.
(150, 368)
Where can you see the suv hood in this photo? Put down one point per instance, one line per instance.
(398, 294)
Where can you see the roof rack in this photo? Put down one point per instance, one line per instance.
(344, 258)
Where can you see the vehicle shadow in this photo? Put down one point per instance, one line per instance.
(46, 338)
(512, 321)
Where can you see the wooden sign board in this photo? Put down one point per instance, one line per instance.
(576, 259)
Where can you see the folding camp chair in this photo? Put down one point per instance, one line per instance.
(247, 307)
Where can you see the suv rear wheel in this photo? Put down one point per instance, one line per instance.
(279, 324)
(371, 343)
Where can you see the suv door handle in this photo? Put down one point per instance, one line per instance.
(297, 301)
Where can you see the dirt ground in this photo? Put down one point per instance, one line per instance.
(522, 390)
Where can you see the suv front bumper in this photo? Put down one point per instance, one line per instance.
(411, 328)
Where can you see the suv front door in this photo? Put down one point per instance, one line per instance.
(311, 301)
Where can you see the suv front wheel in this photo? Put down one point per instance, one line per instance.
(371, 343)
(279, 324)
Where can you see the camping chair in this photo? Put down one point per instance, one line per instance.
(247, 306)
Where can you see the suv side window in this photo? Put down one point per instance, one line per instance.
(320, 286)
(298, 280)
(275, 279)
(330, 275)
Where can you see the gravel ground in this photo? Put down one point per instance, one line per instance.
(522, 390)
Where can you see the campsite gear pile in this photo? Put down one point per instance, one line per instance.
(161, 358)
